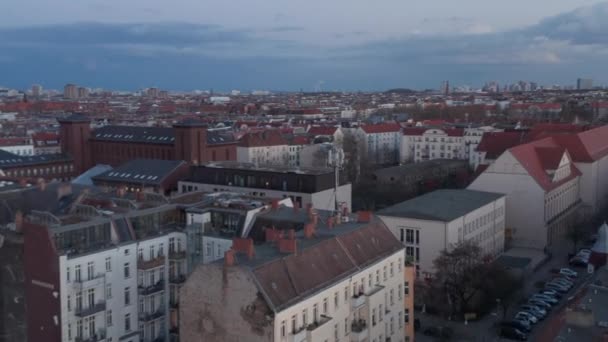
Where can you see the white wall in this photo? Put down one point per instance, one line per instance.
(21, 150)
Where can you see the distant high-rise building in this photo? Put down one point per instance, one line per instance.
(36, 90)
(83, 92)
(584, 83)
(152, 92)
(70, 91)
(163, 94)
(445, 87)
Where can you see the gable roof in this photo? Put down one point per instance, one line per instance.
(530, 157)
(148, 135)
(322, 130)
(550, 157)
(141, 171)
(496, 143)
(269, 137)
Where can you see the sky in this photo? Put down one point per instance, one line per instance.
(296, 44)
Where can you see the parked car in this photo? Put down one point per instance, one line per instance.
(545, 298)
(556, 287)
(535, 310)
(578, 261)
(584, 251)
(520, 325)
(563, 281)
(513, 334)
(540, 303)
(551, 293)
(528, 316)
(568, 273)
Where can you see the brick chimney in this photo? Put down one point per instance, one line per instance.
(271, 234)
(364, 216)
(18, 221)
(309, 230)
(288, 246)
(229, 258)
(331, 222)
(242, 245)
(275, 204)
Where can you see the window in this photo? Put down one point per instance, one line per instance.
(127, 270)
(109, 318)
(346, 326)
(417, 237)
(391, 297)
(374, 317)
(69, 303)
(336, 332)
(69, 331)
(402, 235)
(283, 329)
(140, 253)
(369, 281)
(109, 291)
(77, 273)
(392, 270)
(325, 306)
(161, 249)
(406, 288)
(305, 317)
(79, 329)
(384, 273)
(90, 270)
(127, 251)
(152, 252)
(91, 297)
(127, 296)
(128, 322)
(392, 326)
(67, 275)
(400, 319)
(346, 293)
(377, 276)
(79, 301)
(380, 312)
(315, 312)
(336, 300)
(409, 236)
(406, 317)
(293, 324)
(108, 264)
(399, 293)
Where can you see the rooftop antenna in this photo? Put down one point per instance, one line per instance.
(336, 160)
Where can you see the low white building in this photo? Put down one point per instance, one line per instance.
(439, 220)
(472, 138)
(542, 186)
(421, 144)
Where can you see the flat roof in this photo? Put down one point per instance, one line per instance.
(142, 171)
(277, 169)
(441, 205)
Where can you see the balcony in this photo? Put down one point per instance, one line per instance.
(299, 335)
(145, 317)
(151, 264)
(97, 337)
(82, 284)
(358, 331)
(179, 279)
(318, 323)
(152, 289)
(175, 255)
(91, 310)
(358, 301)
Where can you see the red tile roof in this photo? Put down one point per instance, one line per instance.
(595, 141)
(414, 130)
(265, 138)
(381, 128)
(550, 157)
(300, 140)
(531, 158)
(454, 132)
(322, 130)
(496, 143)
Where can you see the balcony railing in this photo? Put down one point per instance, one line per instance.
(91, 310)
(179, 279)
(177, 255)
(85, 283)
(152, 289)
(315, 325)
(152, 263)
(358, 301)
(97, 337)
(358, 326)
(151, 317)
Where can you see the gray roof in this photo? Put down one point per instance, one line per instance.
(141, 171)
(149, 135)
(441, 205)
(9, 160)
(86, 178)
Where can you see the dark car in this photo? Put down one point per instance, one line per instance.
(513, 334)
(519, 325)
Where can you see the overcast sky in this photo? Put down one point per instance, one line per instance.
(278, 44)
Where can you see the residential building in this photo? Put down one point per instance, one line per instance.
(428, 144)
(543, 190)
(311, 283)
(381, 142)
(584, 84)
(263, 148)
(70, 91)
(334, 133)
(492, 145)
(46, 143)
(48, 167)
(315, 186)
(18, 146)
(439, 220)
(472, 139)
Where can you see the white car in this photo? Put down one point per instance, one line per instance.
(527, 316)
(568, 273)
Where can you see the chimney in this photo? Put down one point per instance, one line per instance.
(296, 207)
(275, 204)
(309, 208)
(41, 184)
(288, 246)
(330, 222)
(64, 189)
(270, 234)
(309, 230)
(241, 245)
(364, 216)
(229, 258)
(18, 221)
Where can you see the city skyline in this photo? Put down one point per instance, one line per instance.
(555, 43)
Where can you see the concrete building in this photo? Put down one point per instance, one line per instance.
(421, 144)
(584, 84)
(326, 280)
(472, 139)
(381, 142)
(264, 148)
(70, 91)
(439, 220)
(48, 167)
(303, 186)
(543, 190)
(83, 92)
(19, 146)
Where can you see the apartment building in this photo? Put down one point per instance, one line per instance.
(472, 139)
(107, 268)
(419, 144)
(439, 220)
(263, 148)
(327, 279)
(381, 142)
(314, 186)
(543, 190)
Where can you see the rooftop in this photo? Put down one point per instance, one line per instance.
(441, 205)
(142, 171)
(277, 169)
(8, 159)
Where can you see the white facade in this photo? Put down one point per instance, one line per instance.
(263, 155)
(320, 200)
(374, 295)
(20, 150)
(432, 144)
(122, 293)
(535, 218)
(382, 147)
(594, 183)
(425, 239)
(472, 138)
